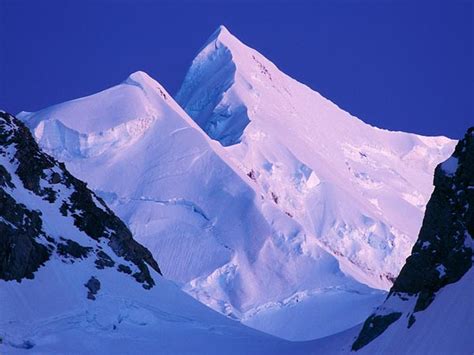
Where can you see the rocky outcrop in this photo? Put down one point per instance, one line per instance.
(443, 252)
(375, 325)
(21, 254)
(93, 286)
(24, 245)
(70, 249)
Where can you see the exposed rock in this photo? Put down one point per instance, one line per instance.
(72, 249)
(274, 198)
(448, 222)
(93, 285)
(21, 253)
(55, 178)
(103, 260)
(443, 252)
(98, 222)
(373, 327)
(64, 208)
(251, 174)
(124, 268)
(5, 178)
(31, 161)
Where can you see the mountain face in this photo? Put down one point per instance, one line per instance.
(213, 230)
(73, 280)
(430, 303)
(26, 241)
(357, 189)
(293, 211)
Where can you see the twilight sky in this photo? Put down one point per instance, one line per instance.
(394, 64)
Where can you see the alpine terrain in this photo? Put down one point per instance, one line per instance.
(259, 197)
(430, 305)
(74, 281)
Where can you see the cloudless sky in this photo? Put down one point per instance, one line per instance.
(399, 65)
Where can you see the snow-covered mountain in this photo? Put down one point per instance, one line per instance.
(203, 220)
(74, 281)
(430, 306)
(359, 190)
(291, 214)
(429, 309)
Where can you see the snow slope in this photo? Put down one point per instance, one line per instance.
(445, 328)
(430, 307)
(212, 229)
(274, 223)
(360, 190)
(53, 308)
(431, 304)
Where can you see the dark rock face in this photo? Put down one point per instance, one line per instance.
(20, 252)
(93, 286)
(441, 255)
(32, 163)
(71, 249)
(98, 222)
(377, 325)
(124, 268)
(443, 252)
(5, 178)
(24, 246)
(103, 260)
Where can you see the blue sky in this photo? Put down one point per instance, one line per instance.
(399, 65)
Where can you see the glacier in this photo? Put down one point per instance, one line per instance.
(56, 235)
(258, 197)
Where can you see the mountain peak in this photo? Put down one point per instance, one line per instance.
(221, 31)
(222, 37)
(140, 77)
(222, 34)
(139, 96)
(149, 86)
(216, 66)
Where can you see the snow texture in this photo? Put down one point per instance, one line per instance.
(72, 306)
(291, 199)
